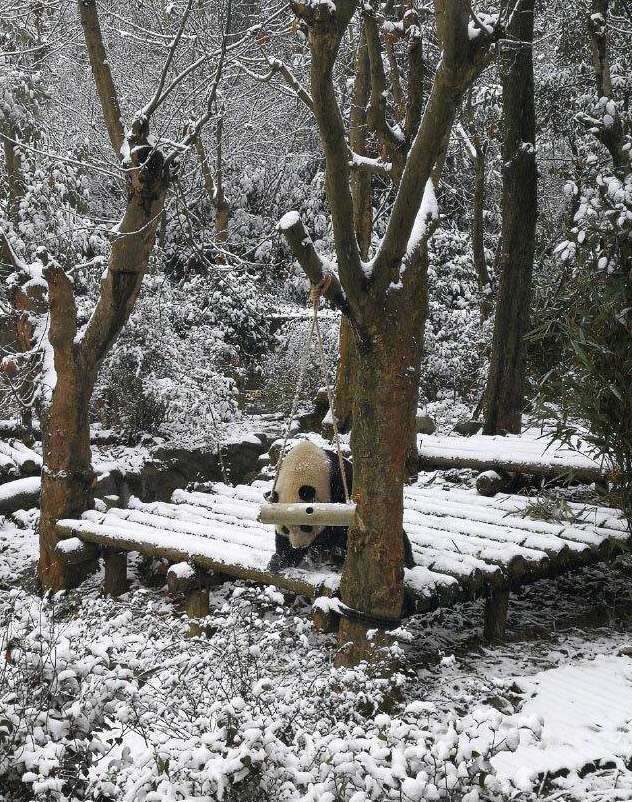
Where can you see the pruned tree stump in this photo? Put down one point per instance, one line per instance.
(115, 581)
(496, 609)
(77, 560)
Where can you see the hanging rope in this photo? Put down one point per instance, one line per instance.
(315, 293)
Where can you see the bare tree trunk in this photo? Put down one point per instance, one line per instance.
(478, 229)
(363, 224)
(505, 383)
(386, 305)
(385, 407)
(67, 476)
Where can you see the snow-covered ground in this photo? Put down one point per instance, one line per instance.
(109, 700)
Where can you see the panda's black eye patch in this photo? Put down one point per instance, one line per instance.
(307, 493)
(272, 496)
(306, 528)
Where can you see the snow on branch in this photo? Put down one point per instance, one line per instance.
(428, 211)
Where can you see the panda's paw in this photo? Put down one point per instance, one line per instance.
(279, 562)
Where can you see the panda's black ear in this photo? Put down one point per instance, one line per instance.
(272, 496)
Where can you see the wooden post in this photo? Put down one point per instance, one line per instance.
(324, 617)
(196, 606)
(496, 608)
(115, 582)
(184, 578)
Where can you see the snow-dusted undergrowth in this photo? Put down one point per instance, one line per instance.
(253, 711)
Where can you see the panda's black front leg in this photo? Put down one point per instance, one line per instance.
(285, 556)
(409, 560)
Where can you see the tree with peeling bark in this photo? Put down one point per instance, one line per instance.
(383, 297)
(76, 353)
(507, 370)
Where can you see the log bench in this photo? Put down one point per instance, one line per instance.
(509, 454)
(465, 546)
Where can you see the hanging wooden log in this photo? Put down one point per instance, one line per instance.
(316, 514)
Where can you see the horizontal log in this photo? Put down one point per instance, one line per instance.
(295, 580)
(448, 453)
(308, 514)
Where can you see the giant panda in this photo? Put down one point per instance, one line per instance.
(308, 474)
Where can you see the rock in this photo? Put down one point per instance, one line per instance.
(489, 483)
(321, 403)
(172, 466)
(425, 425)
(467, 427)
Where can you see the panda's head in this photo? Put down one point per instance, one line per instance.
(305, 477)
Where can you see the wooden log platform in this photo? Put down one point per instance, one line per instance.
(464, 545)
(511, 454)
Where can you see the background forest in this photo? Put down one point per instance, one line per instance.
(199, 340)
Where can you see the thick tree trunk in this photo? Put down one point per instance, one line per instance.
(384, 414)
(68, 478)
(505, 384)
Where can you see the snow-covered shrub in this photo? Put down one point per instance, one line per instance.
(174, 366)
(280, 369)
(253, 711)
(592, 314)
(456, 342)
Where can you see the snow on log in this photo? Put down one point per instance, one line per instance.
(464, 545)
(22, 494)
(509, 454)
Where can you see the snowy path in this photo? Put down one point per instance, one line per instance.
(586, 710)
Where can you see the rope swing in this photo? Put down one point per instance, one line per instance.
(317, 513)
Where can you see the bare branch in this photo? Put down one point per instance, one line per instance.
(158, 97)
(198, 125)
(103, 80)
(317, 269)
(278, 67)
(391, 139)
(327, 29)
(364, 164)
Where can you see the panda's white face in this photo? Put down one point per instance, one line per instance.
(305, 477)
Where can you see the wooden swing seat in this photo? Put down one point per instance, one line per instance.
(315, 514)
